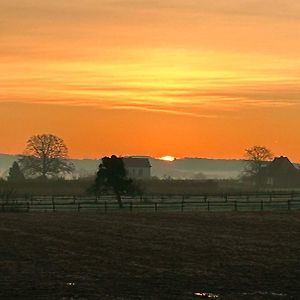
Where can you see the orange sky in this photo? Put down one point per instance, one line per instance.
(180, 77)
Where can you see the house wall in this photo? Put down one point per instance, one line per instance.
(141, 173)
(284, 180)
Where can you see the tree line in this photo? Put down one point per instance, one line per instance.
(46, 156)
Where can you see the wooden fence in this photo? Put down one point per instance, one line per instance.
(156, 203)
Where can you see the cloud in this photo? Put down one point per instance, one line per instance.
(190, 57)
(100, 8)
(163, 109)
(186, 100)
(102, 31)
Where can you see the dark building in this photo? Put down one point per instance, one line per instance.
(137, 168)
(280, 173)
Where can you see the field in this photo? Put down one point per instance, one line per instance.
(149, 256)
(153, 186)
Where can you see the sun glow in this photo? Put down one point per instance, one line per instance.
(167, 158)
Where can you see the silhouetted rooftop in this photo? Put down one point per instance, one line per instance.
(281, 163)
(135, 162)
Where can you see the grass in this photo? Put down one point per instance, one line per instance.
(148, 256)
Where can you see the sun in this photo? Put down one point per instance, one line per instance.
(167, 158)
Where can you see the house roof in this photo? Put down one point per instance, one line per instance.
(136, 162)
(282, 164)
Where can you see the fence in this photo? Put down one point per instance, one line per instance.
(156, 203)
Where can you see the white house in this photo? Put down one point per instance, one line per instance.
(137, 168)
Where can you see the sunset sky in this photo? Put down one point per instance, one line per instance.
(151, 77)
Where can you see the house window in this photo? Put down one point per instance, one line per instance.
(270, 181)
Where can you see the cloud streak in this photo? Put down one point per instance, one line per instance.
(186, 99)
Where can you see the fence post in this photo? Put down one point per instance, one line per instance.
(78, 206)
(28, 206)
(105, 207)
(53, 203)
(155, 206)
(235, 205)
(262, 205)
(226, 197)
(289, 204)
(182, 205)
(130, 206)
(208, 206)
(271, 198)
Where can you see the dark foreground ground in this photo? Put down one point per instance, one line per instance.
(149, 256)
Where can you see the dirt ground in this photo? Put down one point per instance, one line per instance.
(87, 256)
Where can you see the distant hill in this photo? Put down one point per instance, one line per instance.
(6, 161)
(83, 167)
(185, 168)
(197, 168)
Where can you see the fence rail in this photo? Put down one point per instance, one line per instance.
(246, 197)
(155, 203)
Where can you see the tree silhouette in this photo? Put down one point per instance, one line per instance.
(112, 176)
(45, 155)
(256, 156)
(15, 173)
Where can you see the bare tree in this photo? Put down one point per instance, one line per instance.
(256, 158)
(45, 155)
